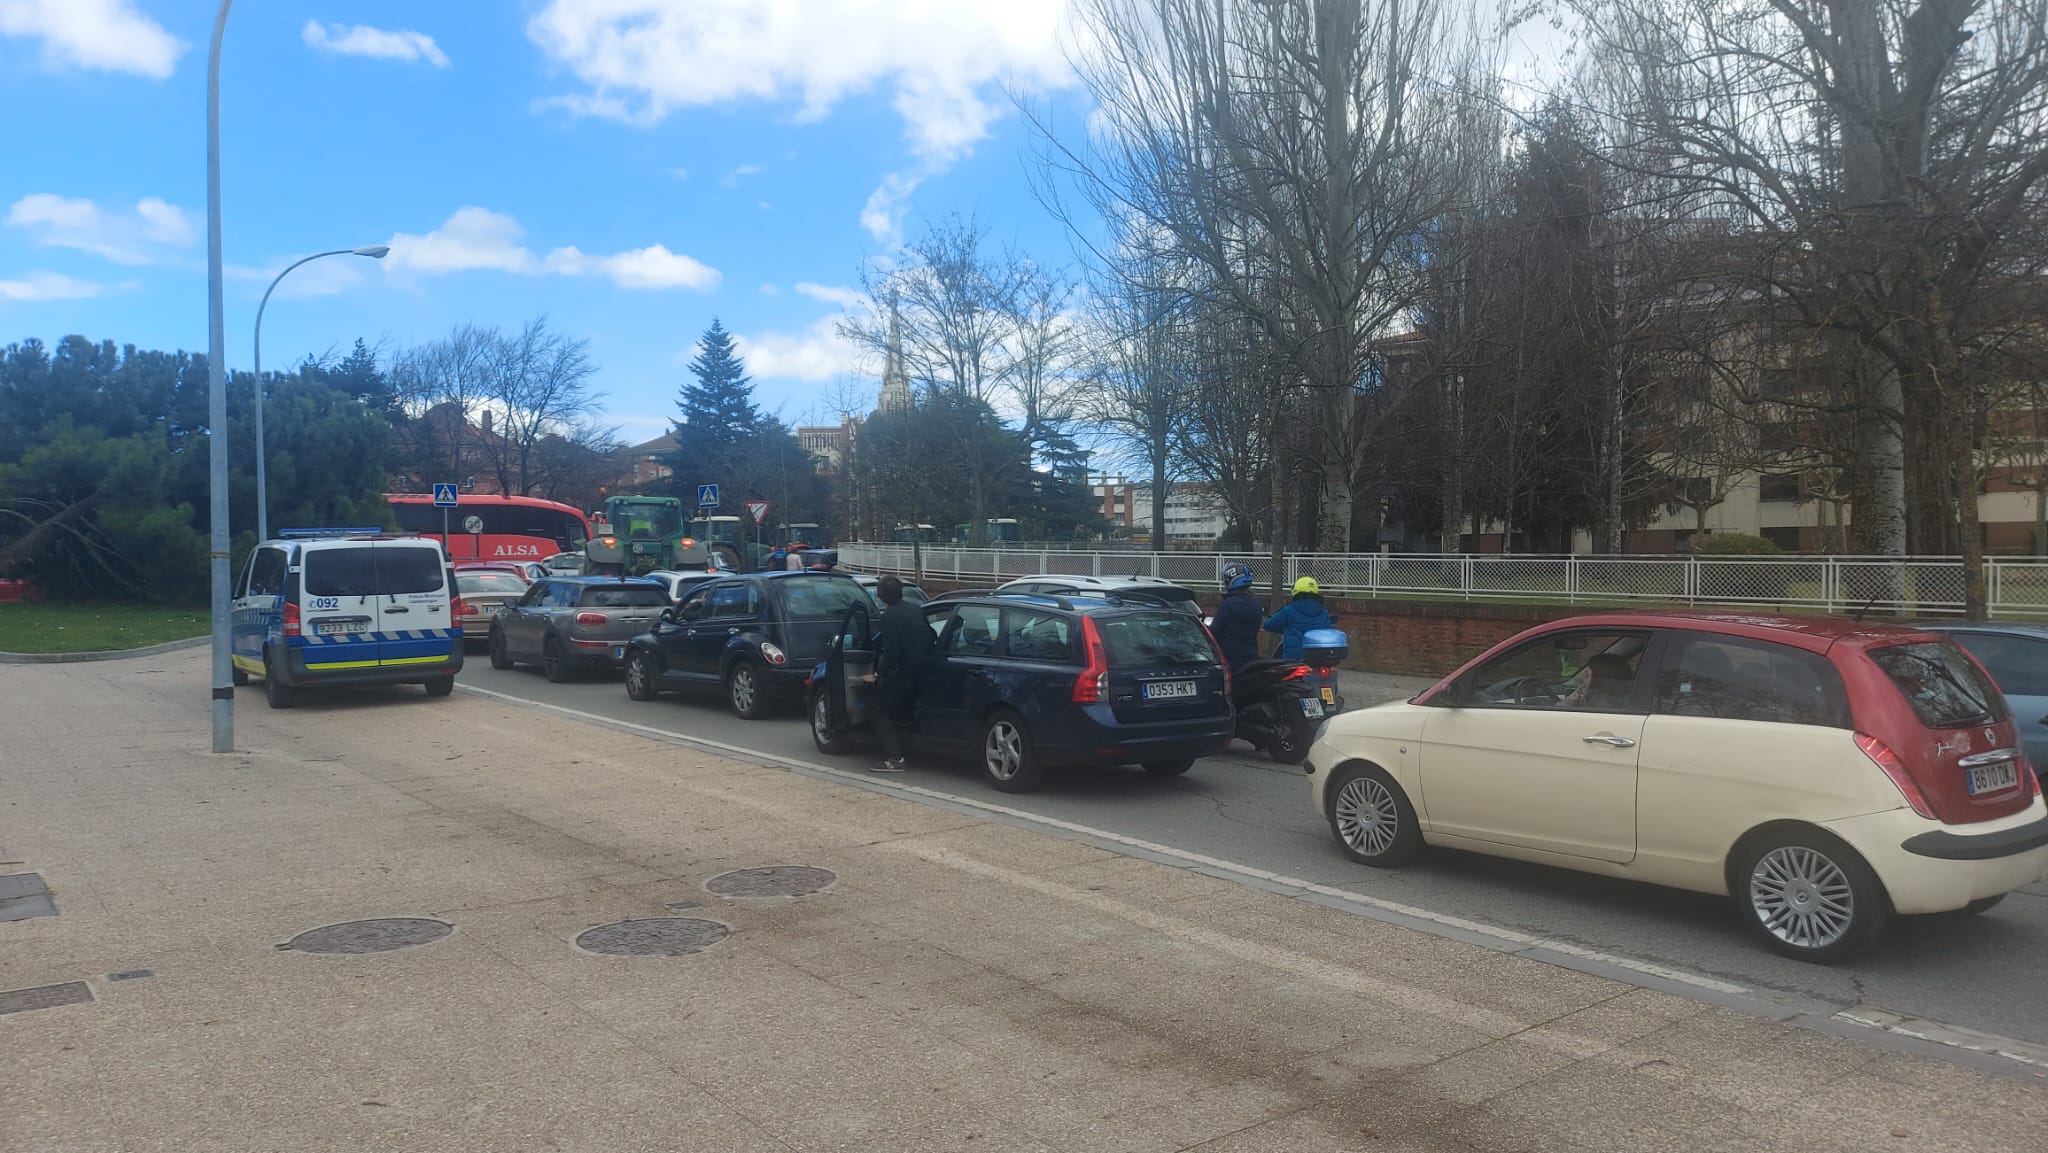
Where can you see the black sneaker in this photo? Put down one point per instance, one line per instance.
(892, 765)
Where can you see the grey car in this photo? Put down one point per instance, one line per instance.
(569, 624)
(2017, 657)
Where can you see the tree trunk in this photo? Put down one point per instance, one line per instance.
(1159, 500)
(26, 546)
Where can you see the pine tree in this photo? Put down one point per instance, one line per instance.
(718, 406)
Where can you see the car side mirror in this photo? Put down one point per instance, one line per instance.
(669, 614)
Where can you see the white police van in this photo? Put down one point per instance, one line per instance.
(324, 607)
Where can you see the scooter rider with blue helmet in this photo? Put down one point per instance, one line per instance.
(1236, 624)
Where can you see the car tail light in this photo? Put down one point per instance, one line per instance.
(458, 610)
(1883, 757)
(773, 655)
(1093, 683)
(291, 618)
(1294, 674)
(592, 618)
(1326, 673)
(2030, 777)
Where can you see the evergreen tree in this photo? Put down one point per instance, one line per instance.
(718, 416)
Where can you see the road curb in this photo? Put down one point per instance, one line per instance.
(109, 655)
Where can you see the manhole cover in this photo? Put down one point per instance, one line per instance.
(653, 937)
(44, 997)
(773, 881)
(380, 935)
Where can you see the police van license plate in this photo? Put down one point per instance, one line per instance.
(329, 628)
(1992, 778)
(1161, 690)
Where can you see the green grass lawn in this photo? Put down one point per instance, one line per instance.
(67, 628)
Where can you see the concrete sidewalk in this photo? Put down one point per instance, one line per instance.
(964, 985)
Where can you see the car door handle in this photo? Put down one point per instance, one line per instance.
(1609, 739)
(732, 632)
(396, 609)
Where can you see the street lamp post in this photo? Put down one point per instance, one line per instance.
(217, 408)
(374, 252)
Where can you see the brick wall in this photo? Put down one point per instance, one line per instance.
(1410, 638)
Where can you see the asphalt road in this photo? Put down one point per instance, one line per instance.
(1987, 973)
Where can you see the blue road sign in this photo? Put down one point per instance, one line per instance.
(707, 496)
(444, 496)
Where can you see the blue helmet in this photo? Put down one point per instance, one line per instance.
(1237, 576)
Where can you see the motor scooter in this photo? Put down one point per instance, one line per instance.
(1281, 704)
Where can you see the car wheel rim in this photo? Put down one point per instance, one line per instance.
(636, 675)
(821, 719)
(1802, 897)
(743, 689)
(1004, 750)
(1368, 816)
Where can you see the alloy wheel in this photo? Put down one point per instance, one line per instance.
(821, 719)
(1368, 816)
(1003, 751)
(743, 689)
(1802, 897)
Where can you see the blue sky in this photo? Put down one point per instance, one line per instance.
(629, 167)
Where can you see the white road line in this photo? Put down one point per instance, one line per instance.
(1507, 940)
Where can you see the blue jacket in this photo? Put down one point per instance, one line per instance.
(1237, 628)
(1301, 614)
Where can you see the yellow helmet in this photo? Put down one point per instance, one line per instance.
(1307, 585)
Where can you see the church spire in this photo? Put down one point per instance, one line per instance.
(895, 382)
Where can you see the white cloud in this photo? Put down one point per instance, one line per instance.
(328, 277)
(101, 35)
(37, 286)
(477, 239)
(137, 236)
(944, 61)
(732, 179)
(653, 267)
(363, 40)
(679, 173)
(832, 294)
(816, 353)
(770, 289)
(474, 238)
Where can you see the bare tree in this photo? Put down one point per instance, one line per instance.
(1884, 158)
(1295, 149)
(539, 387)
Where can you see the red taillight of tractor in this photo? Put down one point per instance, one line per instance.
(1093, 683)
(1883, 757)
(291, 619)
(592, 619)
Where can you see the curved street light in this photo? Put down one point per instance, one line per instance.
(374, 252)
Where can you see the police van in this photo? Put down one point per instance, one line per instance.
(324, 607)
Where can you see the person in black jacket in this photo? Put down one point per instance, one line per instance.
(905, 643)
(1237, 620)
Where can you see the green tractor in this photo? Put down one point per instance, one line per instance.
(641, 534)
(727, 539)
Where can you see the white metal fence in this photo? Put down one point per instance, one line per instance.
(1925, 585)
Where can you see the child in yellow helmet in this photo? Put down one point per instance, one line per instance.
(1299, 616)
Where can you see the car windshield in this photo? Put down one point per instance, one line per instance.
(625, 597)
(819, 597)
(489, 584)
(1154, 640)
(1945, 687)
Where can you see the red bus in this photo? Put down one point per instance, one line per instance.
(505, 527)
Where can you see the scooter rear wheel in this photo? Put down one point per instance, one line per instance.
(1291, 741)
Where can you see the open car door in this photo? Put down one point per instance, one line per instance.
(838, 695)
